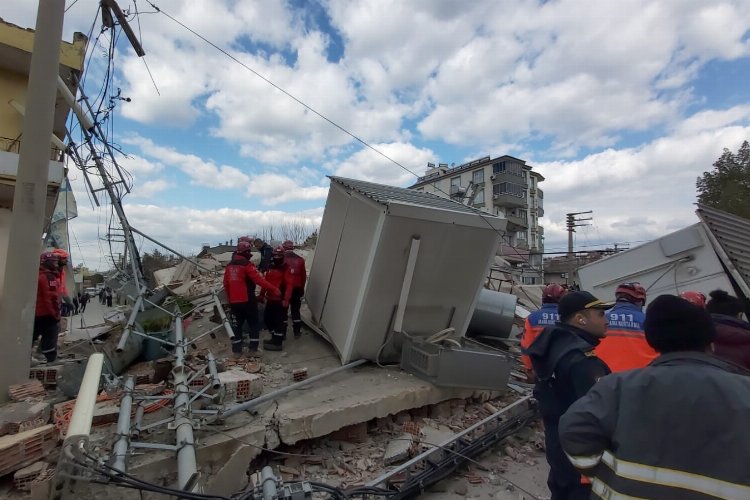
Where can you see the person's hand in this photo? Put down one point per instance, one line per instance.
(261, 300)
(285, 304)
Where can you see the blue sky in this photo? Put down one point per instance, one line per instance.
(619, 105)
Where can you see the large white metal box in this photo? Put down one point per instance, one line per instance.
(362, 255)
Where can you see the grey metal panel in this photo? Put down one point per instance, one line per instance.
(732, 234)
(326, 250)
(389, 194)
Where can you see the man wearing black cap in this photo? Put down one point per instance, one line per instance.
(674, 429)
(566, 368)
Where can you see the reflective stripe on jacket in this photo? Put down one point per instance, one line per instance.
(625, 346)
(675, 429)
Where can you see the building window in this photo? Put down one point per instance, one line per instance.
(509, 188)
(478, 176)
(508, 167)
(479, 198)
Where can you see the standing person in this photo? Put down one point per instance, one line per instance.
(538, 321)
(48, 305)
(68, 308)
(732, 341)
(276, 305)
(109, 297)
(102, 293)
(84, 300)
(676, 429)
(298, 277)
(240, 279)
(566, 367)
(76, 303)
(266, 254)
(625, 346)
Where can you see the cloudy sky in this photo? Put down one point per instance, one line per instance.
(620, 105)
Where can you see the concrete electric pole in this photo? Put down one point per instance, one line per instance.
(29, 199)
(572, 223)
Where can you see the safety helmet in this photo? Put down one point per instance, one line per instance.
(695, 298)
(244, 247)
(61, 254)
(50, 260)
(552, 293)
(278, 251)
(288, 245)
(632, 292)
(244, 238)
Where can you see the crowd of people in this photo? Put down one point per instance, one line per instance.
(281, 275)
(641, 404)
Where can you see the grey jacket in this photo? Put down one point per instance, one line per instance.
(677, 429)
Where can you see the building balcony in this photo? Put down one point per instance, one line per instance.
(517, 223)
(540, 212)
(506, 177)
(509, 200)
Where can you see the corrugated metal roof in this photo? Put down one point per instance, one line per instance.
(732, 233)
(387, 194)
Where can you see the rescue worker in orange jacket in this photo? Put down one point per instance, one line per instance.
(48, 305)
(298, 277)
(625, 346)
(276, 305)
(538, 320)
(240, 279)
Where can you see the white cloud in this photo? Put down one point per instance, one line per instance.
(367, 165)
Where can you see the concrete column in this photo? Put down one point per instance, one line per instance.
(25, 235)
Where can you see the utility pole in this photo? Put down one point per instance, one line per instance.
(29, 199)
(572, 222)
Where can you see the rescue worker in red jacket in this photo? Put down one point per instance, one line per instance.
(732, 340)
(538, 320)
(625, 346)
(240, 279)
(48, 305)
(276, 305)
(68, 304)
(298, 277)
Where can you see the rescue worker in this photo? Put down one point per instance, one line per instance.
(266, 254)
(48, 305)
(69, 307)
(732, 341)
(676, 429)
(625, 346)
(566, 367)
(695, 298)
(276, 305)
(294, 293)
(538, 321)
(240, 279)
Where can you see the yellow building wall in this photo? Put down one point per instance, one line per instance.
(12, 86)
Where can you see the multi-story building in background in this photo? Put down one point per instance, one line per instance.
(503, 186)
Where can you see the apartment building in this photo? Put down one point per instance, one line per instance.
(504, 186)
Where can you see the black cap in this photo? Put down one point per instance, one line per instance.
(674, 324)
(574, 302)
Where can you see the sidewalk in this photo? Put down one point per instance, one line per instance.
(89, 324)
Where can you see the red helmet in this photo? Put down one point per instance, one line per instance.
(632, 292)
(61, 254)
(244, 238)
(695, 298)
(50, 260)
(288, 245)
(552, 293)
(278, 251)
(244, 247)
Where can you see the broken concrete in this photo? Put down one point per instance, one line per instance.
(23, 416)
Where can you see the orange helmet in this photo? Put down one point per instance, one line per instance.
(552, 293)
(61, 254)
(632, 292)
(695, 298)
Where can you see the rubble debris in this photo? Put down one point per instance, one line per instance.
(25, 448)
(37, 472)
(253, 367)
(23, 416)
(238, 386)
(299, 374)
(26, 390)
(47, 375)
(412, 428)
(356, 433)
(398, 450)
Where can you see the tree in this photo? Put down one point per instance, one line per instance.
(727, 186)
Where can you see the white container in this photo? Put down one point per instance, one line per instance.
(361, 265)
